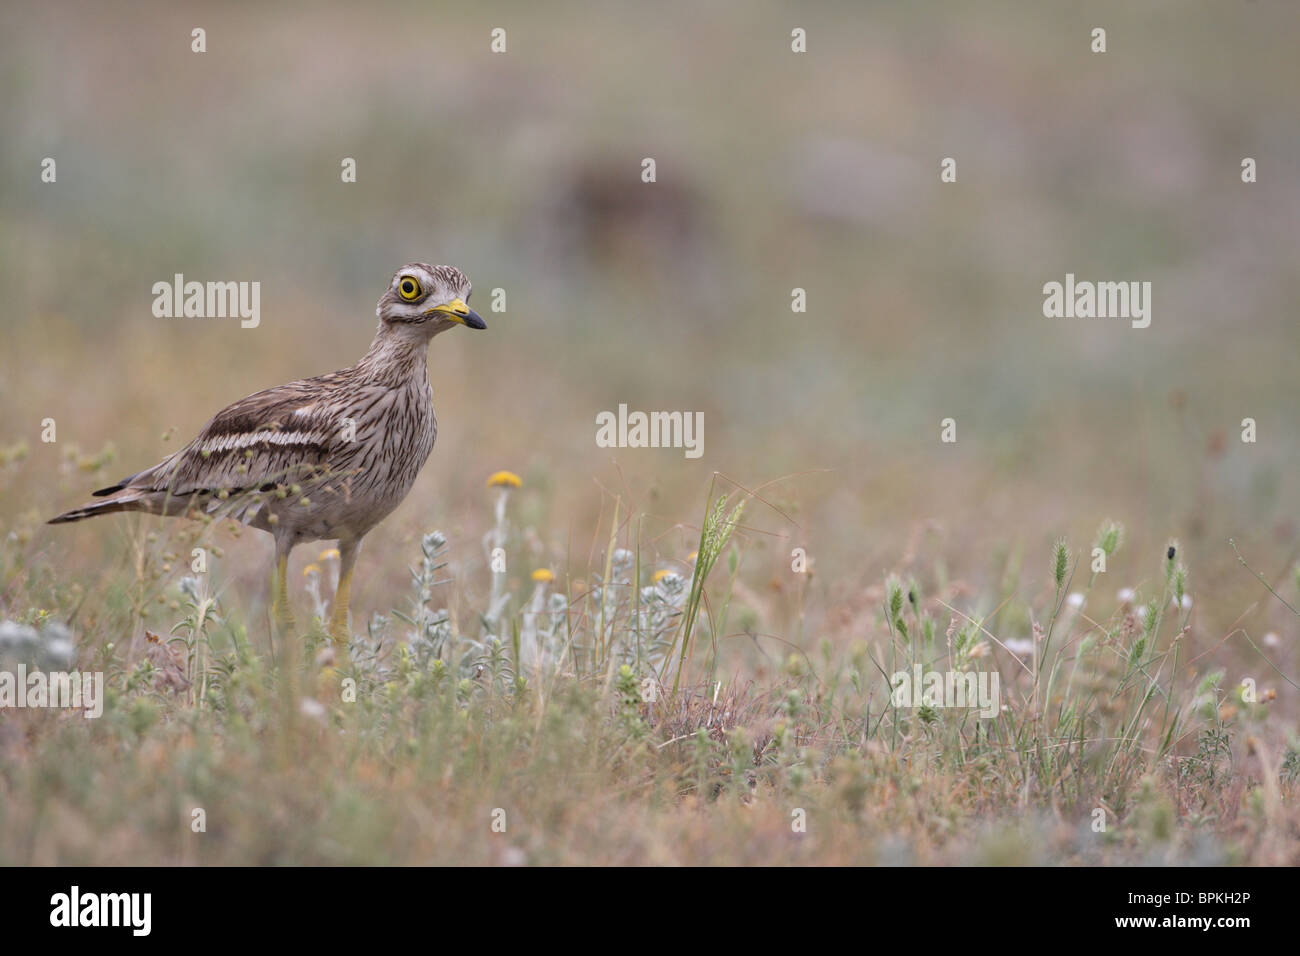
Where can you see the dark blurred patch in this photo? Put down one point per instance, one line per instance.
(605, 215)
(614, 214)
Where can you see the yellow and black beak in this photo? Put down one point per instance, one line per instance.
(457, 311)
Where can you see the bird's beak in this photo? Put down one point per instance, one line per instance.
(458, 311)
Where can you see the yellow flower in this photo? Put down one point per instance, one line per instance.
(661, 574)
(505, 479)
(542, 574)
(329, 554)
(311, 569)
(692, 556)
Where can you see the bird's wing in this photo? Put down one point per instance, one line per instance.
(279, 435)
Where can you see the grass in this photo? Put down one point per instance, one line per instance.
(772, 690)
(629, 735)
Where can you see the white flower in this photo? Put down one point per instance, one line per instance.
(1272, 640)
(1021, 646)
(1075, 599)
(312, 708)
(60, 651)
(513, 856)
(14, 635)
(1125, 595)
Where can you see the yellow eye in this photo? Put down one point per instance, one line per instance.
(409, 288)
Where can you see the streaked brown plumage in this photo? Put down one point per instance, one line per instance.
(321, 458)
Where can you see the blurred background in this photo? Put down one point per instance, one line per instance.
(775, 170)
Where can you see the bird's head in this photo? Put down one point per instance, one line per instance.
(430, 299)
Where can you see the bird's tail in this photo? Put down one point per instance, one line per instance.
(120, 499)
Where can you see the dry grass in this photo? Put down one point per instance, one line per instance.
(592, 760)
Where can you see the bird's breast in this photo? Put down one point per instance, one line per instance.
(395, 432)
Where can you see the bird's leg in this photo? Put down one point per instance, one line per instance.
(339, 630)
(280, 606)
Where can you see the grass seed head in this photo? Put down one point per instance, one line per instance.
(1060, 562)
(1110, 536)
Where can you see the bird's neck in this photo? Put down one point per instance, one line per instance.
(397, 357)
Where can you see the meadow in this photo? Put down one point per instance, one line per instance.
(671, 660)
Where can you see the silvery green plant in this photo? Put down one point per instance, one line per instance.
(430, 636)
(494, 539)
(48, 647)
(656, 623)
(541, 637)
(607, 597)
(430, 630)
(368, 650)
(201, 609)
(488, 661)
(320, 608)
(550, 634)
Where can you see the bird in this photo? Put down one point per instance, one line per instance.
(322, 458)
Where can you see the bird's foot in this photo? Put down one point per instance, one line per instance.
(285, 625)
(340, 641)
